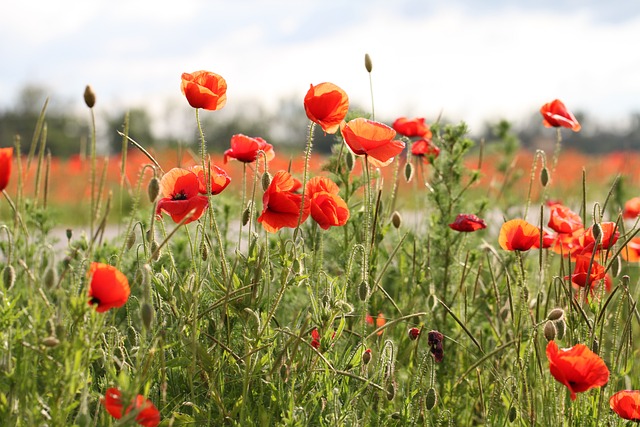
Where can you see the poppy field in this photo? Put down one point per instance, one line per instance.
(406, 280)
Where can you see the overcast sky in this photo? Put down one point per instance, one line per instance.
(471, 60)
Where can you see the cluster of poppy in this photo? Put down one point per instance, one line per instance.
(148, 414)
(423, 146)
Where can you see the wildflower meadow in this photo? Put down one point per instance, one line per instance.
(414, 277)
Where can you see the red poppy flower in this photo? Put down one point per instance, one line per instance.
(414, 333)
(412, 127)
(626, 404)
(582, 276)
(181, 191)
(326, 207)
(245, 149)
(109, 288)
(6, 156)
(327, 105)
(148, 415)
(281, 207)
(518, 235)
(204, 89)
(564, 220)
(425, 149)
(467, 223)
(218, 176)
(610, 235)
(578, 368)
(555, 114)
(374, 139)
(631, 252)
(631, 208)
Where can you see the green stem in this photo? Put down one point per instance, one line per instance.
(307, 156)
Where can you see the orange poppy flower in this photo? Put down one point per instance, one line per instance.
(245, 149)
(6, 156)
(467, 223)
(578, 368)
(425, 149)
(564, 220)
(148, 415)
(626, 404)
(412, 127)
(281, 207)
(326, 207)
(631, 252)
(518, 235)
(218, 176)
(555, 114)
(327, 105)
(204, 89)
(181, 191)
(631, 208)
(582, 276)
(374, 139)
(109, 288)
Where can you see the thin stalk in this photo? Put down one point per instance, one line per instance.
(307, 156)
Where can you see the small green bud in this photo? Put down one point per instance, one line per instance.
(61, 331)
(153, 189)
(367, 63)
(131, 240)
(408, 171)
(204, 252)
(350, 161)
(69, 233)
(8, 276)
(51, 327)
(544, 176)
(431, 399)
(513, 414)
(597, 232)
(363, 290)
(284, 372)
(266, 180)
(89, 96)
(147, 312)
(50, 277)
(391, 390)
(246, 214)
(596, 345)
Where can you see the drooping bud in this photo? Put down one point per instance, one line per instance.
(350, 161)
(561, 328)
(147, 313)
(430, 399)
(363, 290)
(555, 314)
(246, 214)
(131, 240)
(153, 189)
(550, 331)
(50, 277)
(391, 390)
(266, 180)
(155, 253)
(8, 276)
(89, 96)
(544, 176)
(513, 413)
(396, 219)
(366, 356)
(408, 171)
(597, 232)
(414, 333)
(368, 65)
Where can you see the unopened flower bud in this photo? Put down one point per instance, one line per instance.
(363, 290)
(204, 252)
(555, 314)
(146, 312)
(414, 333)
(391, 390)
(69, 233)
(131, 240)
(366, 356)
(246, 214)
(597, 232)
(396, 219)
(544, 176)
(430, 399)
(561, 328)
(51, 342)
(155, 253)
(50, 277)
(153, 189)
(408, 171)
(266, 180)
(351, 161)
(367, 63)
(89, 96)
(8, 276)
(513, 413)
(550, 331)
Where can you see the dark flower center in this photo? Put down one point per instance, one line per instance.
(94, 300)
(179, 196)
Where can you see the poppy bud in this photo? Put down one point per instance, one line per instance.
(544, 176)
(391, 390)
(131, 240)
(396, 219)
(266, 180)
(561, 328)
(513, 413)
(616, 266)
(89, 96)
(550, 331)
(153, 189)
(146, 312)
(366, 356)
(430, 399)
(414, 333)
(246, 214)
(154, 250)
(351, 161)
(8, 276)
(367, 63)
(597, 232)
(51, 342)
(363, 290)
(408, 171)
(69, 233)
(555, 314)
(50, 277)
(150, 234)
(204, 252)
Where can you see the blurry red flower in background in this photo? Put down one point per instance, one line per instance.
(6, 156)
(578, 368)
(326, 207)
(109, 288)
(626, 404)
(564, 220)
(631, 252)
(149, 416)
(555, 114)
(631, 208)
(281, 207)
(181, 191)
(425, 149)
(374, 139)
(327, 105)
(610, 235)
(467, 223)
(518, 235)
(245, 149)
(204, 89)
(412, 127)
(581, 274)
(218, 176)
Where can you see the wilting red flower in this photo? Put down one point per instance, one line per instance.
(564, 220)
(414, 333)
(181, 191)
(148, 415)
(204, 89)
(425, 148)
(374, 139)
(326, 207)
(109, 288)
(6, 156)
(610, 234)
(327, 105)
(245, 149)
(582, 276)
(631, 208)
(281, 207)
(435, 340)
(467, 223)
(218, 176)
(518, 235)
(631, 252)
(412, 127)
(578, 368)
(555, 114)
(626, 404)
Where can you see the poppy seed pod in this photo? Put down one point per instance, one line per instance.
(89, 96)
(367, 63)
(69, 233)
